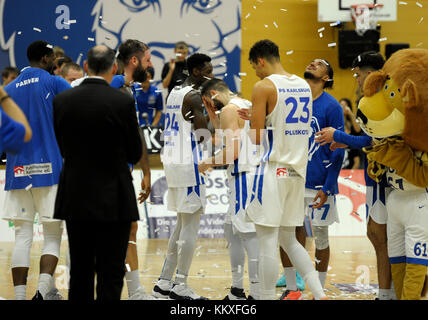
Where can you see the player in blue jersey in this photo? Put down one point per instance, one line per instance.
(321, 176)
(14, 127)
(149, 102)
(376, 193)
(32, 175)
(135, 57)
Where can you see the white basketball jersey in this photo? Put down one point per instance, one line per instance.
(288, 125)
(248, 156)
(181, 152)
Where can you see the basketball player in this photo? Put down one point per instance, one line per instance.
(32, 175)
(135, 58)
(238, 153)
(184, 123)
(376, 193)
(280, 117)
(322, 172)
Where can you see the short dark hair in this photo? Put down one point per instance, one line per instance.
(197, 61)
(369, 59)
(329, 83)
(131, 48)
(181, 45)
(151, 71)
(348, 102)
(101, 59)
(265, 49)
(213, 84)
(63, 60)
(72, 66)
(8, 70)
(38, 49)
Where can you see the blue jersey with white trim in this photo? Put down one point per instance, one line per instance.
(323, 164)
(39, 163)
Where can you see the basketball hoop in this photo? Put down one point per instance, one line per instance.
(364, 17)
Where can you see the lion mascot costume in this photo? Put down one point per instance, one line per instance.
(394, 111)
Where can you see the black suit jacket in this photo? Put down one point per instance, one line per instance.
(98, 135)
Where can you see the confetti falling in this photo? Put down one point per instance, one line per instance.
(91, 39)
(28, 187)
(402, 3)
(419, 4)
(289, 52)
(333, 44)
(37, 29)
(382, 39)
(276, 26)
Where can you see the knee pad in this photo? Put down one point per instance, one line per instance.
(321, 237)
(52, 232)
(23, 242)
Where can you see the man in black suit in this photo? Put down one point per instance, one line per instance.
(98, 135)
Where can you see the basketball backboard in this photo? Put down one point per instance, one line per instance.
(340, 10)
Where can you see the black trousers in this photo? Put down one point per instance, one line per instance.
(97, 248)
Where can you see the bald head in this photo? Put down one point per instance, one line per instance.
(101, 60)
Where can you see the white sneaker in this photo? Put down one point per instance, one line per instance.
(162, 289)
(54, 294)
(183, 292)
(141, 294)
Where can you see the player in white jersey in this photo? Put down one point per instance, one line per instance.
(185, 128)
(407, 232)
(280, 117)
(240, 155)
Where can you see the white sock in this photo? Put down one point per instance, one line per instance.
(384, 294)
(313, 281)
(290, 276)
(21, 292)
(392, 294)
(45, 284)
(132, 282)
(322, 276)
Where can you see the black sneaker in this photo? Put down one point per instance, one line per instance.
(38, 296)
(236, 294)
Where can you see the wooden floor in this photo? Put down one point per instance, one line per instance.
(352, 261)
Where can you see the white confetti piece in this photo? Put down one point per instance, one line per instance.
(65, 37)
(285, 10)
(402, 3)
(333, 24)
(19, 32)
(421, 20)
(28, 187)
(419, 44)
(321, 29)
(321, 35)
(419, 4)
(70, 22)
(48, 95)
(276, 26)
(383, 39)
(266, 25)
(132, 242)
(333, 44)
(91, 39)
(49, 46)
(289, 52)
(218, 112)
(328, 165)
(242, 74)
(37, 29)
(320, 186)
(247, 16)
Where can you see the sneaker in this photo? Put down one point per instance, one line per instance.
(291, 295)
(236, 294)
(281, 282)
(183, 292)
(38, 296)
(141, 294)
(54, 294)
(162, 289)
(300, 282)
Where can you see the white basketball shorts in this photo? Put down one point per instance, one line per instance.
(239, 196)
(21, 204)
(324, 216)
(407, 227)
(277, 196)
(376, 203)
(187, 199)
